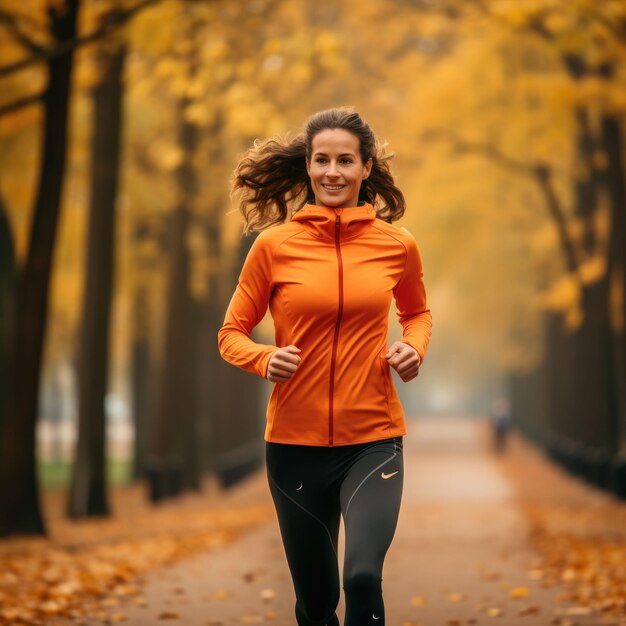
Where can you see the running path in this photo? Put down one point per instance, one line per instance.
(460, 547)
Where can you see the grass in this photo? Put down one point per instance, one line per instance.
(59, 473)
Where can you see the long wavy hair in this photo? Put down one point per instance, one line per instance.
(271, 178)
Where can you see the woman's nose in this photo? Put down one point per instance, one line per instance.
(332, 170)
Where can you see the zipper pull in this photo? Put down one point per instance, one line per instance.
(337, 222)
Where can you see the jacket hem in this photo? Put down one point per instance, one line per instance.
(324, 444)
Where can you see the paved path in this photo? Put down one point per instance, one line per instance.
(461, 546)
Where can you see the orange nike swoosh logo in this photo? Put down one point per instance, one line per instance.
(386, 476)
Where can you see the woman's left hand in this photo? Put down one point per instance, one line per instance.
(404, 359)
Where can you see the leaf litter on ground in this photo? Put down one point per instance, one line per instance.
(84, 568)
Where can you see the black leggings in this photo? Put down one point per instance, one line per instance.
(311, 487)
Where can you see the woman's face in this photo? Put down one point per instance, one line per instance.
(336, 169)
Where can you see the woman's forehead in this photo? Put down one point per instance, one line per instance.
(335, 141)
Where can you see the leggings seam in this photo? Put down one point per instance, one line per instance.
(317, 519)
(391, 458)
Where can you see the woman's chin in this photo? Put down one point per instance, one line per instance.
(335, 201)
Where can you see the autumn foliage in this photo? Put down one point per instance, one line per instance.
(507, 119)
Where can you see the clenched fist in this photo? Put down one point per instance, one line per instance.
(283, 363)
(404, 359)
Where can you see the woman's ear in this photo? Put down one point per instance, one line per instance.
(367, 168)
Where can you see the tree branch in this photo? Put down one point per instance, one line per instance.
(486, 150)
(20, 104)
(544, 180)
(540, 173)
(110, 23)
(11, 23)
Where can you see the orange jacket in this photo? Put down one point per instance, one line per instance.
(328, 276)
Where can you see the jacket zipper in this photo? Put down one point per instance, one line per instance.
(336, 337)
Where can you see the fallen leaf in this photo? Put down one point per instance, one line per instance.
(168, 615)
(519, 592)
(494, 612)
(418, 601)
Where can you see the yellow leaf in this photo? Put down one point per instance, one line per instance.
(519, 592)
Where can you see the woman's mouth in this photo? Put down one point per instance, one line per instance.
(333, 187)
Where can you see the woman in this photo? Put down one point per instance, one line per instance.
(334, 421)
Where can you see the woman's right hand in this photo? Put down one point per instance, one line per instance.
(283, 363)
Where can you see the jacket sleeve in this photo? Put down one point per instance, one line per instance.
(246, 309)
(410, 295)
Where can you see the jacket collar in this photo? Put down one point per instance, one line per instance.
(320, 221)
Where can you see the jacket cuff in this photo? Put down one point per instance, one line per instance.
(264, 361)
(419, 354)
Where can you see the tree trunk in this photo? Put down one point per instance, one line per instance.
(141, 377)
(7, 290)
(238, 426)
(88, 493)
(19, 494)
(173, 407)
(581, 419)
(616, 270)
(175, 448)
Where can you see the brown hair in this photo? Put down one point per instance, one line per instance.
(272, 176)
